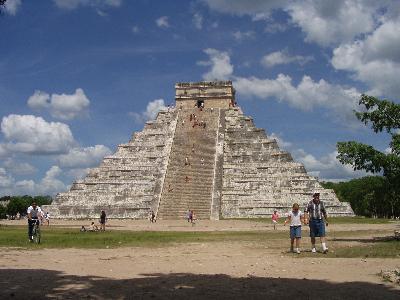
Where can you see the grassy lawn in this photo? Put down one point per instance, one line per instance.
(16, 236)
(332, 220)
(374, 249)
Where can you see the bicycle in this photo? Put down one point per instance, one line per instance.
(36, 234)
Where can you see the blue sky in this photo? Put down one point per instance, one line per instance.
(78, 77)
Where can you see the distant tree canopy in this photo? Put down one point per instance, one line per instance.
(367, 196)
(19, 204)
(383, 115)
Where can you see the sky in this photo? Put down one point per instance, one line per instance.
(78, 77)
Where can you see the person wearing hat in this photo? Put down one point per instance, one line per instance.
(315, 213)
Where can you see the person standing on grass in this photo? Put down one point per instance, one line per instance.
(295, 217)
(315, 213)
(103, 221)
(275, 218)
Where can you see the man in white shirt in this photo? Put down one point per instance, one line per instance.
(34, 214)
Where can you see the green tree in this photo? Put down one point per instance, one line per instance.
(383, 115)
(16, 205)
(2, 211)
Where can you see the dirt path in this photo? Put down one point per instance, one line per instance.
(233, 270)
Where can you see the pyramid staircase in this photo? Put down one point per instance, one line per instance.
(189, 179)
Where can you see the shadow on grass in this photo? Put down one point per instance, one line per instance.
(42, 284)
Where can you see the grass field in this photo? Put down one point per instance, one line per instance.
(16, 236)
(343, 243)
(333, 220)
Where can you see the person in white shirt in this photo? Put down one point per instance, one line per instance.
(295, 217)
(34, 216)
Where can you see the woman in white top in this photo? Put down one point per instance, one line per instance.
(295, 217)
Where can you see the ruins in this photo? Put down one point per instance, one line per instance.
(203, 155)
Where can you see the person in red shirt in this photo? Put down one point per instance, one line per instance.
(275, 218)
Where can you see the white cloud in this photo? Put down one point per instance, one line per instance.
(11, 7)
(326, 167)
(73, 4)
(323, 22)
(50, 184)
(255, 8)
(306, 95)
(6, 181)
(18, 168)
(275, 27)
(153, 107)
(198, 21)
(62, 106)
(242, 35)
(3, 150)
(221, 67)
(162, 22)
(30, 134)
(374, 60)
(329, 22)
(283, 57)
(83, 157)
(135, 29)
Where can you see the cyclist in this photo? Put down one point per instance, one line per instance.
(34, 214)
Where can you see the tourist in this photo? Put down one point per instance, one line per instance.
(93, 227)
(315, 213)
(83, 229)
(193, 218)
(188, 215)
(103, 221)
(275, 218)
(170, 189)
(296, 218)
(34, 216)
(187, 161)
(152, 217)
(47, 218)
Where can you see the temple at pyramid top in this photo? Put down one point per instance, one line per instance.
(203, 155)
(216, 94)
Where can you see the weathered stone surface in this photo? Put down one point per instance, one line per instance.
(234, 169)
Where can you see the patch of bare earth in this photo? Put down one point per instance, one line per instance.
(213, 270)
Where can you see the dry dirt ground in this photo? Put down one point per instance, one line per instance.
(212, 270)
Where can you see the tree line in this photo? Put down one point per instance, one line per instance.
(10, 206)
(368, 196)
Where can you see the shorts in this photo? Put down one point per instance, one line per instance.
(274, 221)
(317, 228)
(295, 232)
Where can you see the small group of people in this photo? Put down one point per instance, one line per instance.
(93, 227)
(152, 216)
(314, 215)
(196, 122)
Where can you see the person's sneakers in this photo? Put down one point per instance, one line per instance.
(313, 250)
(298, 251)
(325, 251)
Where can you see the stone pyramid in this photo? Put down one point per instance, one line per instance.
(203, 155)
